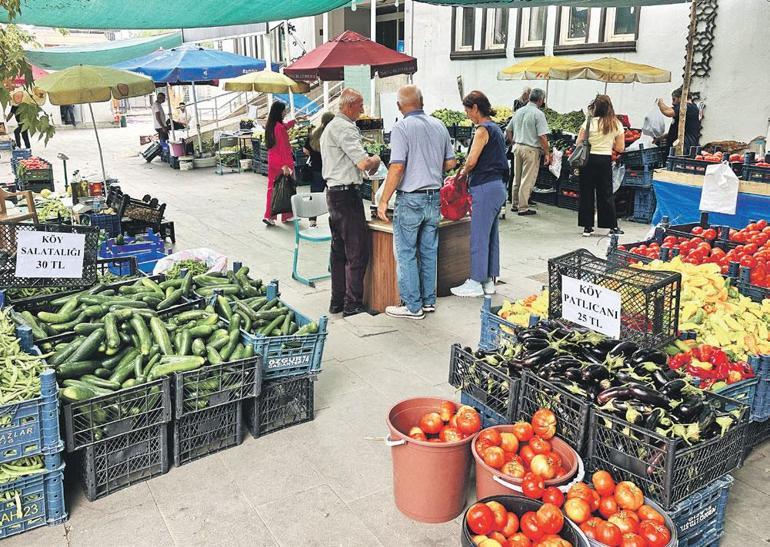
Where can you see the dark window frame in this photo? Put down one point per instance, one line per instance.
(595, 47)
(455, 55)
(529, 51)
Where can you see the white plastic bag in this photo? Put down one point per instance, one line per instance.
(618, 174)
(378, 196)
(555, 166)
(720, 189)
(215, 261)
(655, 123)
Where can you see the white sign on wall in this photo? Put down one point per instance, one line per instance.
(49, 254)
(591, 306)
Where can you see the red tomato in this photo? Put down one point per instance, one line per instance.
(697, 230)
(431, 423)
(511, 525)
(710, 234)
(632, 540)
(654, 533)
(523, 431)
(761, 224)
(629, 496)
(468, 421)
(518, 540)
(480, 518)
(581, 490)
(481, 446)
(539, 445)
(549, 519)
(494, 456)
(530, 527)
(447, 409)
(500, 513)
(509, 442)
(553, 495)
(450, 434)
(498, 537)
(748, 261)
(492, 435)
(589, 527)
(418, 434)
(553, 540)
(577, 510)
(609, 534)
(543, 466)
(514, 469)
(527, 454)
(603, 483)
(544, 423)
(532, 486)
(626, 521)
(608, 506)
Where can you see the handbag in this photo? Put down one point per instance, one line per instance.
(455, 199)
(579, 156)
(284, 188)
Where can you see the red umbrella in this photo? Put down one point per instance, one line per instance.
(328, 61)
(37, 73)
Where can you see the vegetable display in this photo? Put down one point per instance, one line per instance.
(520, 311)
(33, 163)
(447, 424)
(191, 265)
(452, 117)
(20, 375)
(492, 525)
(53, 207)
(17, 469)
(15, 293)
(570, 122)
(711, 367)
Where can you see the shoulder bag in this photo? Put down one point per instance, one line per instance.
(579, 156)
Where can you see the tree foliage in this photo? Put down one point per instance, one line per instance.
(12, 64)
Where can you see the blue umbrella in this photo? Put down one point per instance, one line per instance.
(190, 64)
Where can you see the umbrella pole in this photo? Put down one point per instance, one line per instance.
(605, 88)
(197, 119)
(170, 114)
(291, 102)
(98, 144)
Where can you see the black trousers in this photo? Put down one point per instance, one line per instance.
(18, 134)
(349, 248)
(596, 193)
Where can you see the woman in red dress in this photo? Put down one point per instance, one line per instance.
(280, 159)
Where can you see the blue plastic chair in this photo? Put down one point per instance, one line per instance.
(308, 205)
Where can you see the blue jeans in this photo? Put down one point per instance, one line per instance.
(415, 242)
(486, 201)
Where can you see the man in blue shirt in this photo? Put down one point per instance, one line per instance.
(421, 152)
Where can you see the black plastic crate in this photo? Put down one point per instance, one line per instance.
(493, 387)
(668, 470)
(546, 179)
(684, 164)
(207, 431)
(645, 157)
(756, 174)
(125, 411)
(757, 433)
(282, 403)
(119, 462)
(35, 185)
(546, 197)
(216, 385)
(567, 202)
(573, 413)
(649, 299)
(638, 178)
(644, 205)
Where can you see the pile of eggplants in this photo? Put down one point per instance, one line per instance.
(619, 378)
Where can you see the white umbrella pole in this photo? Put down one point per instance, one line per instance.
(170, 114)
(98, 144)
(197, 119)
(605, 88)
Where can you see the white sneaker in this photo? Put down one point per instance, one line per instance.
(469, 289)
(429, 308)
(489, 287)
(403, 312)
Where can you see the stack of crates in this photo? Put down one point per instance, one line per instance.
(259, 165)
(146, 250)
(30, 429)
(16, 155)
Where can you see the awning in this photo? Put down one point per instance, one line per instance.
(565, 3)
(100, 53)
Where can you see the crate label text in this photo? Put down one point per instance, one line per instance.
(591, 306)
(49, 255)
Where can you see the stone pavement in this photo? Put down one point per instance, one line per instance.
(324, 482)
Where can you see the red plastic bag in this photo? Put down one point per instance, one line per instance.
(455, 198)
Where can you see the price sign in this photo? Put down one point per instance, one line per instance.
(49, 255)
(591, 306)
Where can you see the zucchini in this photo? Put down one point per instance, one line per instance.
(88, 347)
(160, 334)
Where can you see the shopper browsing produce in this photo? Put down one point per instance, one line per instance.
(517, 104)
(530, 137)
(312, 148)
(280, 158)
(605, 135)
(691, 123)
(487, 168)
(421, 153)
(344, 161)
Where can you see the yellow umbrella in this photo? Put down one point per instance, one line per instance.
(84, 84)
(538, 68)
(612, 70)
(28, 96)
(266, 81)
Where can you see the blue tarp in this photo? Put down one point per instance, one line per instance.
(301, 103)
(192, 64)
(680, 203)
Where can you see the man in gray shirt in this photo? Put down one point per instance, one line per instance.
(529, 131)
(421, 152)
(344, 160)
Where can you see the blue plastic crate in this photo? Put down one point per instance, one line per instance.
(638, 178)
(644, 205)
(760, 410)
(700, 518)
(744, 392)
(645, 157)
(494, 329)
(109, 223)
(291, 355)
(488, 416)
(147, 250)
(32, 427)
(38, 500)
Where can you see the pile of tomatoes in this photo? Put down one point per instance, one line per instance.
(33, 163)
(494, 526)
(570, 194)
(448, 424)
(738, 158)
(612, 514)
(525, 451)
(632, 135)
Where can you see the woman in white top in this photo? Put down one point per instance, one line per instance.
(605, 135)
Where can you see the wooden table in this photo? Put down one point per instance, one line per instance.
(454, 262)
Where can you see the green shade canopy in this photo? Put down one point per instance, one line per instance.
(101, 53)
(565, 3)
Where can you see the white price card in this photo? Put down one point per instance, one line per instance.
(49, 254)
(591, 306)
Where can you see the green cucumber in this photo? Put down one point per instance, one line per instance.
(198, 347)
(103, 372)
(160, 334)
(203, 331)
(170, 300)
(56, 318)
(89, 346)
(287, 323)
(267, 331)
(187, 283)
(76, 393)
(181, 365)
(223, 306)
(87, 328)
(223, 289)
(111, 331)
(213, 355)
(185, 344)
(99, 382)
(62, 354)
(76, 369)
(140, 328)
(38, 331)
